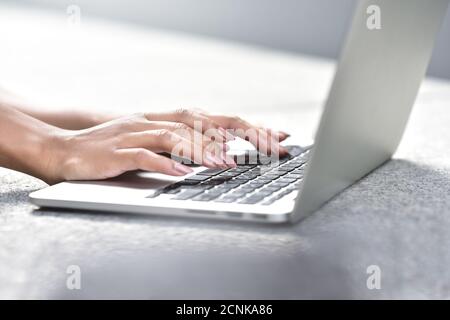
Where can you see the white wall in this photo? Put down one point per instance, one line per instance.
(308, 26)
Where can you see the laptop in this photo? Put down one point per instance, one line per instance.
(382, 64)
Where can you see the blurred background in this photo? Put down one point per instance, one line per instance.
(300, 26)
(270, 61)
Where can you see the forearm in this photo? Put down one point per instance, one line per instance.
(71, 120)
(24, 142)
(68, 119)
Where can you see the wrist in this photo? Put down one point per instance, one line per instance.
(44, 154)
(54, 152)
(26, 144)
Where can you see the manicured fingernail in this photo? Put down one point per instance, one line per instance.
(221, 163)
(220, 160)
(182, 169)
(287, 135)
(283, 150)
(210, 160)
(230, 162)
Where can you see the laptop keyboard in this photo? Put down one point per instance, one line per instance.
(245, 184)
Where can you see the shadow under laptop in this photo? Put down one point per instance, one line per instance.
(392, 192)
(398, 184)
(396, 220)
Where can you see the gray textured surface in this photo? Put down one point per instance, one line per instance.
(397, 218)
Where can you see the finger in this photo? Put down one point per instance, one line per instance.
(181, 129)
(195, 120)
(264, 140)
(217, 150)
(140, 122)
(200, 150)
(166, 141)
(143, 159)
(278, 135)
(283, 135)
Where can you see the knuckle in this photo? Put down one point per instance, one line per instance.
(183, 112)
(136, 118)
(120, 140)
(128, 123)
(138, 115)
(235, 119)
(181, 126)
(164, 134)
(140, 156)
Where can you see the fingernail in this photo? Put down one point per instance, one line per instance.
(182, 169)
(230, 162)
(220, 160)
(283, 150)
(287, 135)
(210, 160)
(222, 163)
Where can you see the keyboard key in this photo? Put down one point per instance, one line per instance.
(294, 175)
(225, 187)
(247, 176)
(252, 199)
(290, 167)
(243, 178)
(238, 170)
(197, 178)
(187, 194)
(282, 169)
(196, 186)
(229, 174)
(240, 193)
(211, 172)
(272, 176)
(227, 199)
(207, 196)
(186, 183)
(286, 180)
(268, 201)
(272, 188)
(234, 182)
(247, 166)
(172, 191)
(264, 192)
(256, 185)
(213, 182)
(295, 151)
(263, 179)
(247, 189)
(259, 170)
(279, 184)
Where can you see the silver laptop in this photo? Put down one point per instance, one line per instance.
(380, 71)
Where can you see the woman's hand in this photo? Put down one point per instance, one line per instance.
(265, 140)
(133, 142)
(54, 154)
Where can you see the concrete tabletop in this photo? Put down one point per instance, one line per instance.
(397, 218)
